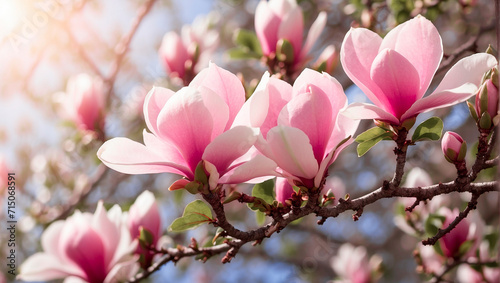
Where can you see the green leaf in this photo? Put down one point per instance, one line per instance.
(249, 40)
(370, 138)
(242, 53)
(430, 129)
(265, 191)
(284, 51)
(465, 247)
(146, 239)
(433, 223)
(260, 217)
(195, 214)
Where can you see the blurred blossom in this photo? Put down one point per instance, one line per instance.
(84, 102)
(467, 274)
(144, 214)
(396, 71)
(87, 247)
(283, 20)
(185, 55)
(4, 171)
(327, 60)
(353, 265)
(336, 186)
(431, 261)
(468, 232)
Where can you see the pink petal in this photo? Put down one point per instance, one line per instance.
(291, 28)
(283, 189)
(142, 161)
(254, 111)
(420, 43)
(153, 103)
(163, 149)
(468, 70)
(256, 167)
(218, 110)
(328, 84)
(398, 81)
(230, 145)
(226, 85)
(310, 112)
(359, 49)
(292, 151)
(50, 238)
(280, 93)
(109, 232)
(329, 159)
(344, 128)
(46, 267)
(441, 100)
(173, 53)
(186, 123)
(313, 35)
(266, 26)
(360, 111)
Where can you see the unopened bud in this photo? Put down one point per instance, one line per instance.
(486, 104)
(454, 147)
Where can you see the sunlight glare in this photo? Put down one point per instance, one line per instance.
(10, 16)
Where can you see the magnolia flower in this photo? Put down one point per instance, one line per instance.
(86, 247)
(467, 274)
(352, 265)
(84, 102)
(395, 72)
(189, 51)
(283, 19)
(487, 102)
(308, 131)
(190, 127)
(144, 214)
(454, 147)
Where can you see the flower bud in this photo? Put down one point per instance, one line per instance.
(284, 190)
(454, 147)
(451, 242)
(144, 219)
(327, 60)
(173, 54)
(85, 101)
(487, 104)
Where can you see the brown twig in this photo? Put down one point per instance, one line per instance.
(462, 215)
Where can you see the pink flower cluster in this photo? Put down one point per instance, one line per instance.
(94, 248)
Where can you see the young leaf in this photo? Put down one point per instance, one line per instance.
(430, 129)
(249, 40)
(433, 223)
(242, 53)
(260, 217)
(370, 138)
(264, 190)
(195, 214)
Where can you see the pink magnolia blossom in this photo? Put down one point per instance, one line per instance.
(467, 274)
(451, 242)
(144, 214)
(352, 265)
(283, 19)
(454, 147)
(189, 126)
(85, 102)
(303, 136)
(395, 72)
(190, 50)
(86, 247)
(283, 189)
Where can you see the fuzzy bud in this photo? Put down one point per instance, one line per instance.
(454, 147)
